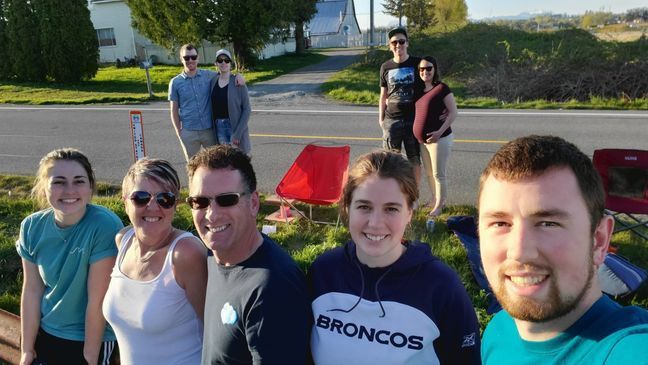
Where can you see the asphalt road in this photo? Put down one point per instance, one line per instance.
(288, 113)
(280, 133)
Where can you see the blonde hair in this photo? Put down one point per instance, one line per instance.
(39, 191)
(156, 169)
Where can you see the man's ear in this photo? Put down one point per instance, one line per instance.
(601, 239)
(255, 203)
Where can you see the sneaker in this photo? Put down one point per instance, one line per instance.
(429, 225)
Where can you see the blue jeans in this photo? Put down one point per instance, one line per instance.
(223, 130)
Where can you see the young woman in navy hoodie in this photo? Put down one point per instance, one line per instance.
(380, 298)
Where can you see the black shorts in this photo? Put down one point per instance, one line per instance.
(52, 350)
(397, 133)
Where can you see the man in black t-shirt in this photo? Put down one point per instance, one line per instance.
(257, 308)
(399, 83)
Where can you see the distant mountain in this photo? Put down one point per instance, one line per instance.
(521, 16)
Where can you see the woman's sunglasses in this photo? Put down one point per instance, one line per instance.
(141, 199)
(427, 68)
(222, 200)
(221, 60)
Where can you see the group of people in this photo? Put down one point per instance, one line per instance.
(233, 296)
(416, 111)
(209, 107)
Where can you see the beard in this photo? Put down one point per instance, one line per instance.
(552, 307)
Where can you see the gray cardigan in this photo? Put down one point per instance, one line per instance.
(238, 105)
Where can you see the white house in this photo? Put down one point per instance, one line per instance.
(335, 25)
(118, 39)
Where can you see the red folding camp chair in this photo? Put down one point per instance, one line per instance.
(316, 177)
(625, 179)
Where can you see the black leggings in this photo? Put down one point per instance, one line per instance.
(52, 350)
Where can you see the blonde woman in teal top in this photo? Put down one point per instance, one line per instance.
(67, 252)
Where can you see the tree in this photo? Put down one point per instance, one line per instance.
(247, 24)
(167, 23)
(69, 42)
(449, 14)
(23, 44)
(5, 67)
(419, 13)
(395, 9)
(637, 14)
(304, 11)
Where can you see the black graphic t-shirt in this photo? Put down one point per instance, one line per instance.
(402, 83)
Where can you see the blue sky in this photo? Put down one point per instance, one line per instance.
(479, 9)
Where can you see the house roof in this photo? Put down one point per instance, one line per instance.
(327, 20)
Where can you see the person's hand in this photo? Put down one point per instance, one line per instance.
(239, 80)
(236, 142)
(433, 137)
(27, 357)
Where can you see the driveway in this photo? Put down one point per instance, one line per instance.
(303, 86)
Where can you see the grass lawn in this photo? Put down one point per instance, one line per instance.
(304, 241)
(128, 85)
(359, 84)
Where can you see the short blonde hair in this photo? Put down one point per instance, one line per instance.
(156, 169)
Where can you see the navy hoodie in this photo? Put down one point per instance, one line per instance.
(415, 311)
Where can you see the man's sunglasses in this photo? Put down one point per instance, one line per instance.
(187, 58)
(398, 41)
(141, 199)
(427, 68)
(221, 60)
(222, 200)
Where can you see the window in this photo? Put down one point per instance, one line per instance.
(106, 37)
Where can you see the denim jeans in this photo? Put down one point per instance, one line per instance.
(223, 131)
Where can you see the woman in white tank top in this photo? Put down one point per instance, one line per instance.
(156, 297)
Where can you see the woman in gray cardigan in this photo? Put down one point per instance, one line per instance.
(230, 105)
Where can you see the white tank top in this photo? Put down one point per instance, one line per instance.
(153, 320)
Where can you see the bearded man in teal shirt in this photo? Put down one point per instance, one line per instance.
(543, 235)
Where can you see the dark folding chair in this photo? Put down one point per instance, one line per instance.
(625, 179)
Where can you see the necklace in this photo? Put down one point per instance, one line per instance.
(149, 255)
(68, 230)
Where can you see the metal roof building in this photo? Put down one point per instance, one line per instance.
(335, 25)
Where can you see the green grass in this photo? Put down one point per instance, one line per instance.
(359, 84)
(303, 240)
(128, 85)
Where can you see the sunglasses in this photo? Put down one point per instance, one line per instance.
(141, 199)
(222, 200)
(398, 41)
(221, 60)
(187, 58)
(427, 68)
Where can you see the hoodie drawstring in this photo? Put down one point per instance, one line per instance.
(362, 287)
(378, 294)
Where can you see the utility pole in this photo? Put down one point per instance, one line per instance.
(371, 23)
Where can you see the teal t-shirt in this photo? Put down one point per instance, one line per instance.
(606, 334)
(63, 257)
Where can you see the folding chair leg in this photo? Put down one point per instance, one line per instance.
(621, 225)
